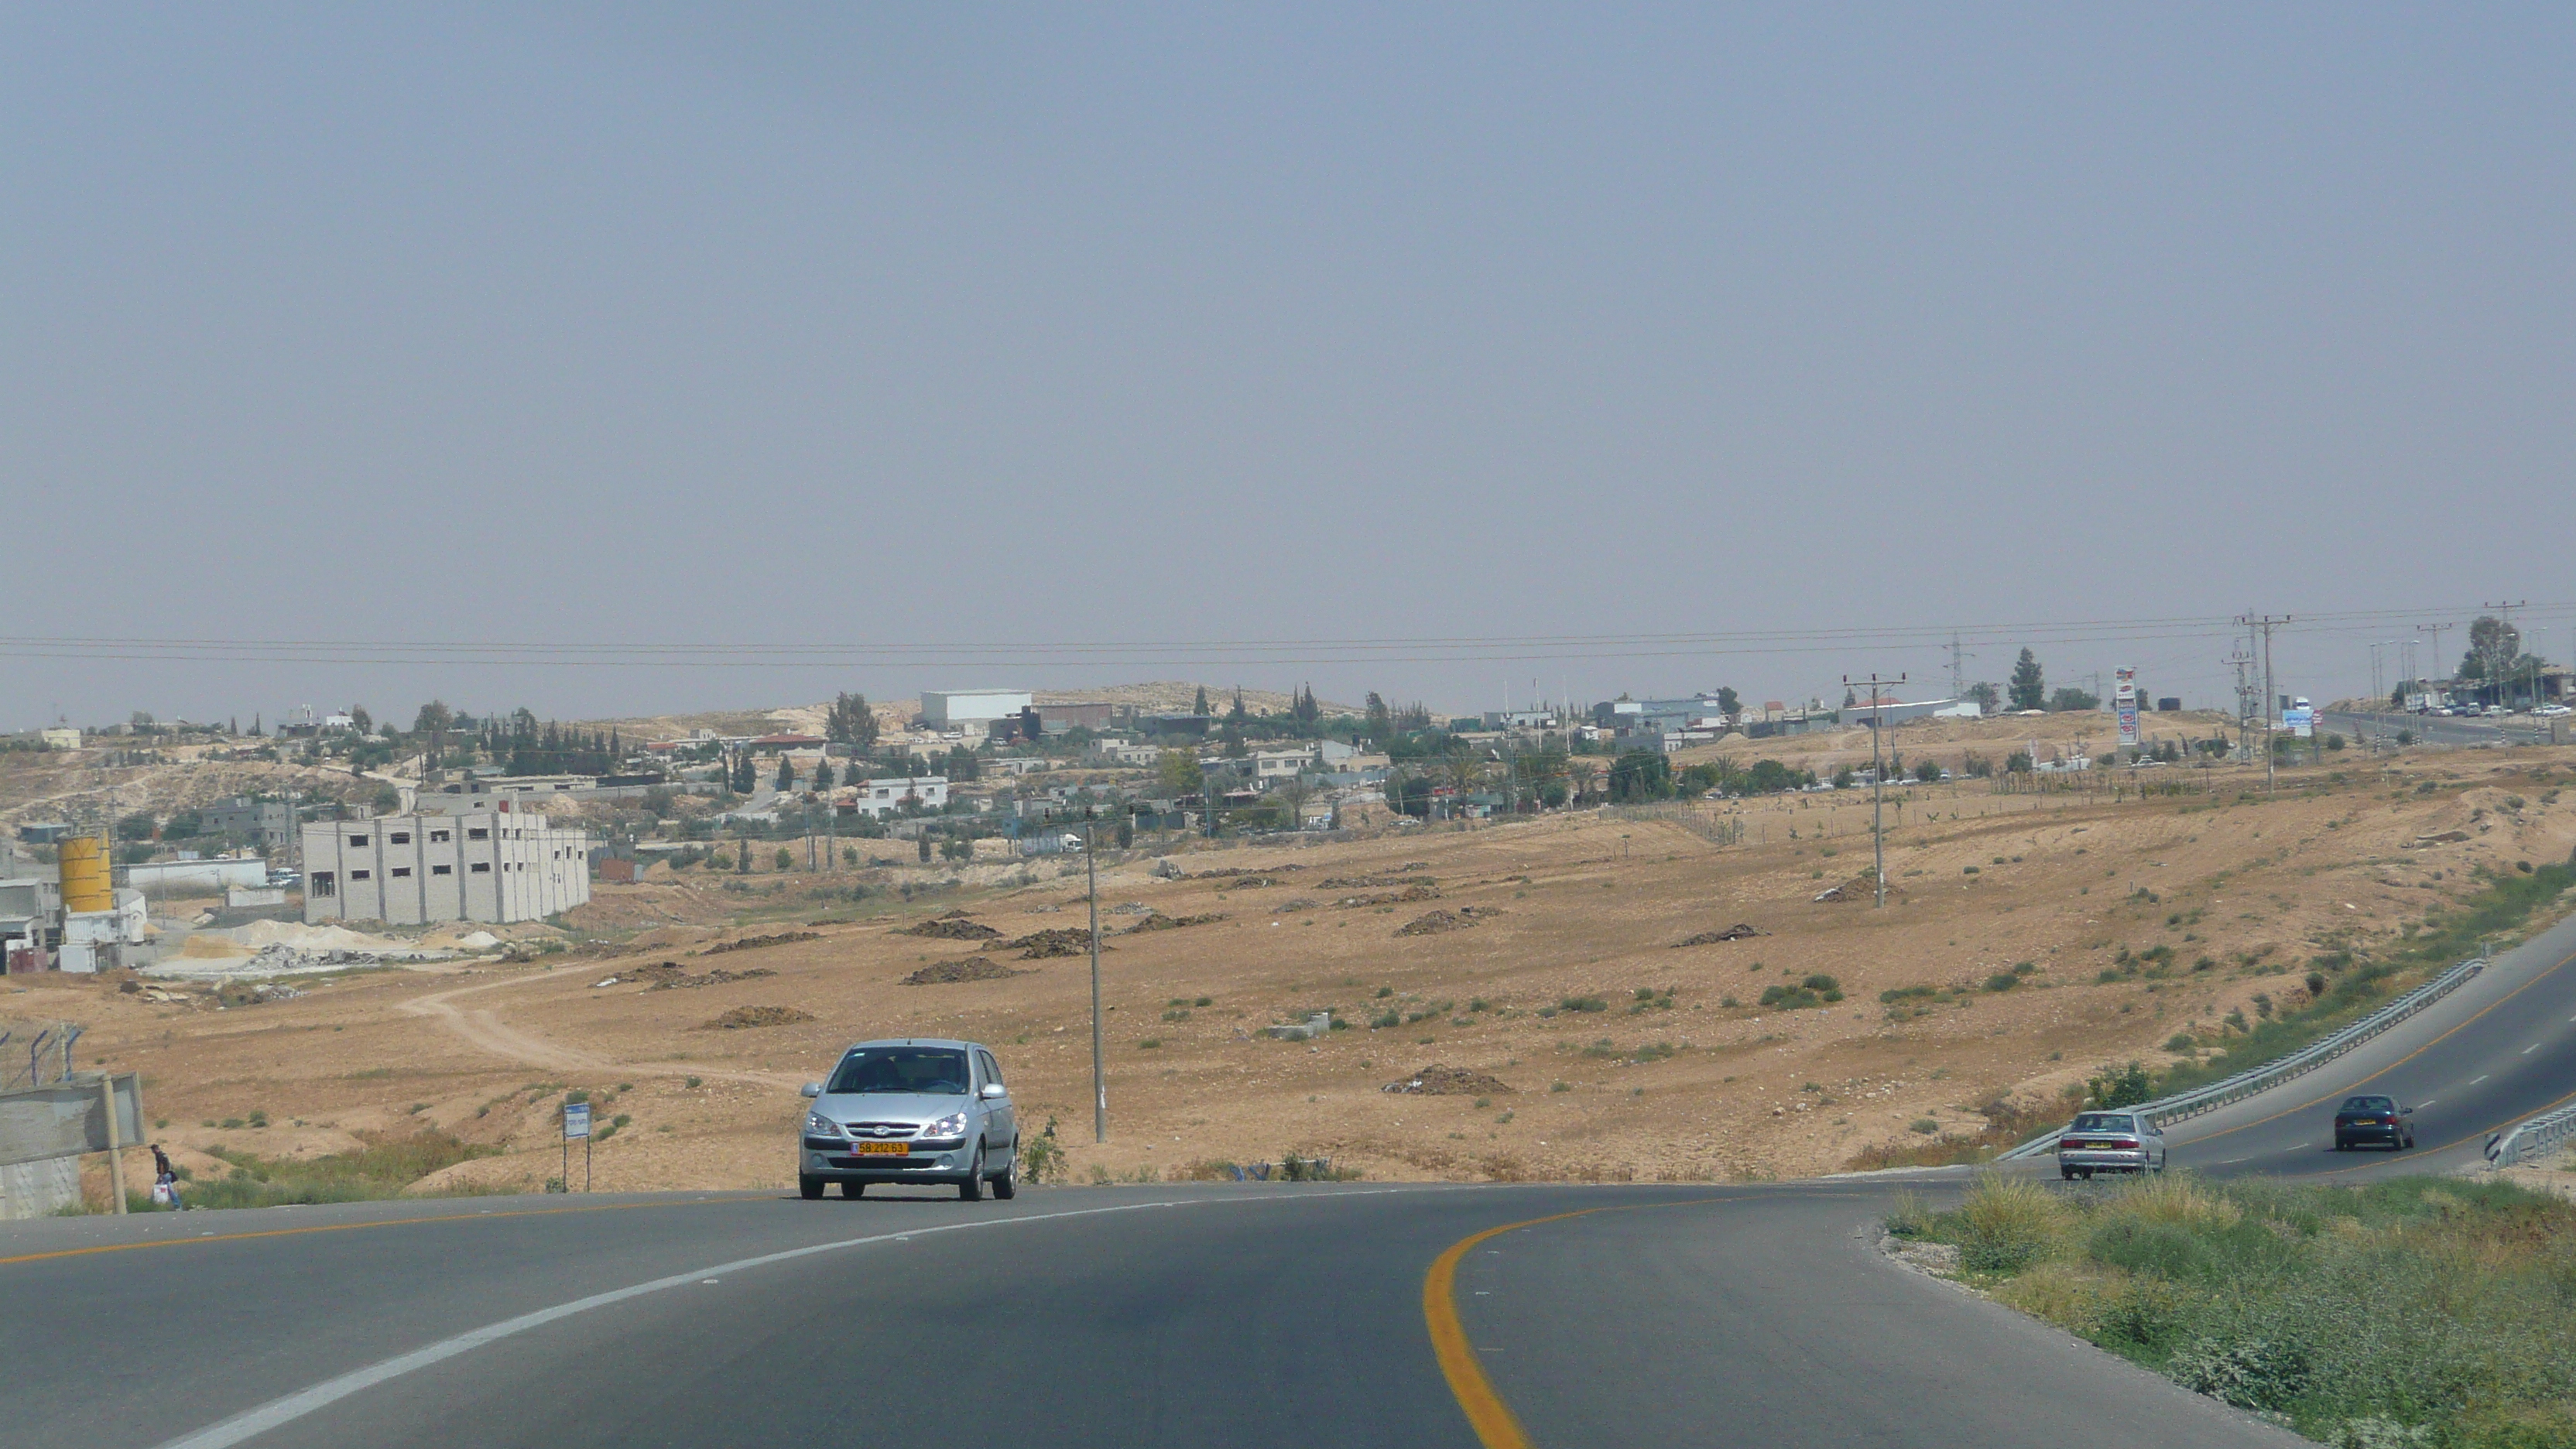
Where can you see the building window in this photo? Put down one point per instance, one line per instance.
(482, 868)
(325, 883)
(478, 833)
(438, 837)
(402, 872)
(400, 837)
(441, 870)
(358, 875)
(358, 840)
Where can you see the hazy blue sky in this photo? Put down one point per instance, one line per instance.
(839, 327)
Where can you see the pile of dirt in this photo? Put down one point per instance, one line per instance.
(1406, 896)
(742, 1016)
(1440, 921)
(1238, 882)
(1373, 882)
(1862, 887)
(1248, 873)
(1737, 932)
(1436, 1080)
(954, 926)
(973, 968)
(754, 943)
(671, 975)
(1061, 941)
(1171, 923)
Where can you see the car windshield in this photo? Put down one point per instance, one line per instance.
(2368, 1104)
(938, 1070)
(2106, 1122)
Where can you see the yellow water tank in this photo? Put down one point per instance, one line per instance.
(86, 884)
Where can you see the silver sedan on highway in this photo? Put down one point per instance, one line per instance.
(911, 1111)
(2109, 1142)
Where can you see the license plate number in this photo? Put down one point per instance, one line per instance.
(883, 1149)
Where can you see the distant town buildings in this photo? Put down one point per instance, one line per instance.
(411, 870)
(970, 708)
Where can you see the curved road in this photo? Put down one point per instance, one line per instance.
(1360, 1314)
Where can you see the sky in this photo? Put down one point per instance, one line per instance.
(615, 360)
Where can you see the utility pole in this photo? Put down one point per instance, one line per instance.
(2271, 695)
(1099, 1072)
(1877, 782)
(2436, 630)
(2507, 644)
(1959, 658)
(2242, 661)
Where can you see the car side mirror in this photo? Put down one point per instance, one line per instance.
(2405, 1111)
(811, 1089)
(993, 1090)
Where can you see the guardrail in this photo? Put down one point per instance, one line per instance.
(2272, 1073)
(2532, 1136)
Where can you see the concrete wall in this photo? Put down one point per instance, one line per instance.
(39, 1189)
(947, 709)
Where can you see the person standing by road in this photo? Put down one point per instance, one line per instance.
(166, 1178)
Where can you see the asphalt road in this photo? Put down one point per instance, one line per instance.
(1110, 1316)
(2434, 729)
(2497, 1050)
(1183, 1315)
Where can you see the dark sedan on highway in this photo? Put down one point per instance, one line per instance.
(2376, 1121)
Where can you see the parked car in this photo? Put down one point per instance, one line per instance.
(2550, 711)
(911, 1111)
(2109, 1142)
(2377, 1120)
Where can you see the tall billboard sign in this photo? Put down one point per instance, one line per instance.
(2124, 700)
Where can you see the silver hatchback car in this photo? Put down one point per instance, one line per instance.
(913, 1110)
(2109, 1142)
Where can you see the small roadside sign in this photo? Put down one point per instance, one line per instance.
(576, 1121)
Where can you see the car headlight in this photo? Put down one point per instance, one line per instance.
(818, 1125)
(952, 1125)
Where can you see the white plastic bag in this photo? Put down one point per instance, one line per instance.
(160, 1194)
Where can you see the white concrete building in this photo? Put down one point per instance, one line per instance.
(947, 709)
(887, 797)
(410, 870)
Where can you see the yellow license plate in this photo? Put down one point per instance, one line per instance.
(883, 1149)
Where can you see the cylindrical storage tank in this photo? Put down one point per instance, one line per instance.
(86, 882)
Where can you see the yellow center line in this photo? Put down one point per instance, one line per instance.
(1495, 1425)
(2392, 1066)
(473, 1217)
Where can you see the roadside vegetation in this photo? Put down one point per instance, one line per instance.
(2415, 1311)
(2346, 986)
(382, 1166)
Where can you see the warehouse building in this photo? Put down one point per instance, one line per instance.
(413, 870)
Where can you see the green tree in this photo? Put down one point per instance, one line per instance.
(849, 721)
(923, 841)
(1238, 715)
(823, 774)
(1379, 723)
(2029, 687)
(2070, 700)
(744, 779)
(1201, 705)
(1985, 694)
(1305, 710)
(134, 827)
(1177, 771)
(361, 721)
(785, 859)
(786, 774)
(1641, 775)
(1728, 701)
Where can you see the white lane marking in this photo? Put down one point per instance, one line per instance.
(2473, 1081)
(276, 1412)
(2298, 1147)
(2535, 1046)
(2427, 1102)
